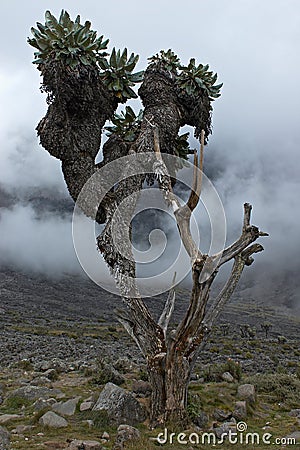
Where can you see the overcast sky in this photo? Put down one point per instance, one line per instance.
(253, 155)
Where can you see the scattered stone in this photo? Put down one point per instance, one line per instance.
(41, 403)
(124, 365)
(226, 376)
(247, 392)
(125, 433)
(4, 439)
(85, 406)
(295, 413)
(51, 374)
(120, 405)
(89, 422)
(224, 429)
(4, 418)
(41, 381)
(108, 373)
(105, 436)
(35, 392)
(67, 408)
(85, 445)
(222, 416)
(141, 388)
(20, 429)
(53, 420)
(295, 435)
(201, 420)
(240, 411)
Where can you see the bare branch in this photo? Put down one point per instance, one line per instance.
(168, 308)
(247, 216)
(197, 176)
(249, 234)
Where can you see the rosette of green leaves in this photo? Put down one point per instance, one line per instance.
(66, 40)
(166, 59)
(182, 149)
(126, 125)
(193, 79)
(118, 75)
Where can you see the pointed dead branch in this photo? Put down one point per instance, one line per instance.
(249, 234)
(166, 315)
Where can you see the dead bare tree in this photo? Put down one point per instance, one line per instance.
(84, 89)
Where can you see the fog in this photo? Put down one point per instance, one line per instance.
(253, 154)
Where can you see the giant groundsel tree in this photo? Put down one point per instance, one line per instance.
(84, 85)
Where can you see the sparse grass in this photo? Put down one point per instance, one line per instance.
(283, 388)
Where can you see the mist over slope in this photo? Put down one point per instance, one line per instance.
(252, 156)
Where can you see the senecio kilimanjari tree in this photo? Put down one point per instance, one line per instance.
(84, 86)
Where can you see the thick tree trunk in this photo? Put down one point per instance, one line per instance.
(169, 379)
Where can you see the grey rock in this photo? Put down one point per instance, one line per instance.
(41, 381)
(4, 439)
(295, 435)
(295, 413)
(51, 374)
(240, 411)
(85, 406)
(4, 418)
(224, 429)
(67, 408)
(141, 388)
(201, 420)
(109, 374)
(120, 405)
(247, 392)
(222, 416)
(125, 433)
(35, 392)
(41, 403)
(20, 429)
(85, 445)
(226, 376)
(50, 419)
(105, 436)
(124, 365)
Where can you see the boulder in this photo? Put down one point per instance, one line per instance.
(120, 405)
(41, 403)
(247, 392)
(240, 411)
(107, 373)
(224, 429)
(222, 416)
(67, 408)
(226, 376)
(35, 392)
(52, 420)
(4, 418)
(201, 420)
(41, 381)
(4, 439)
(125, 433)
